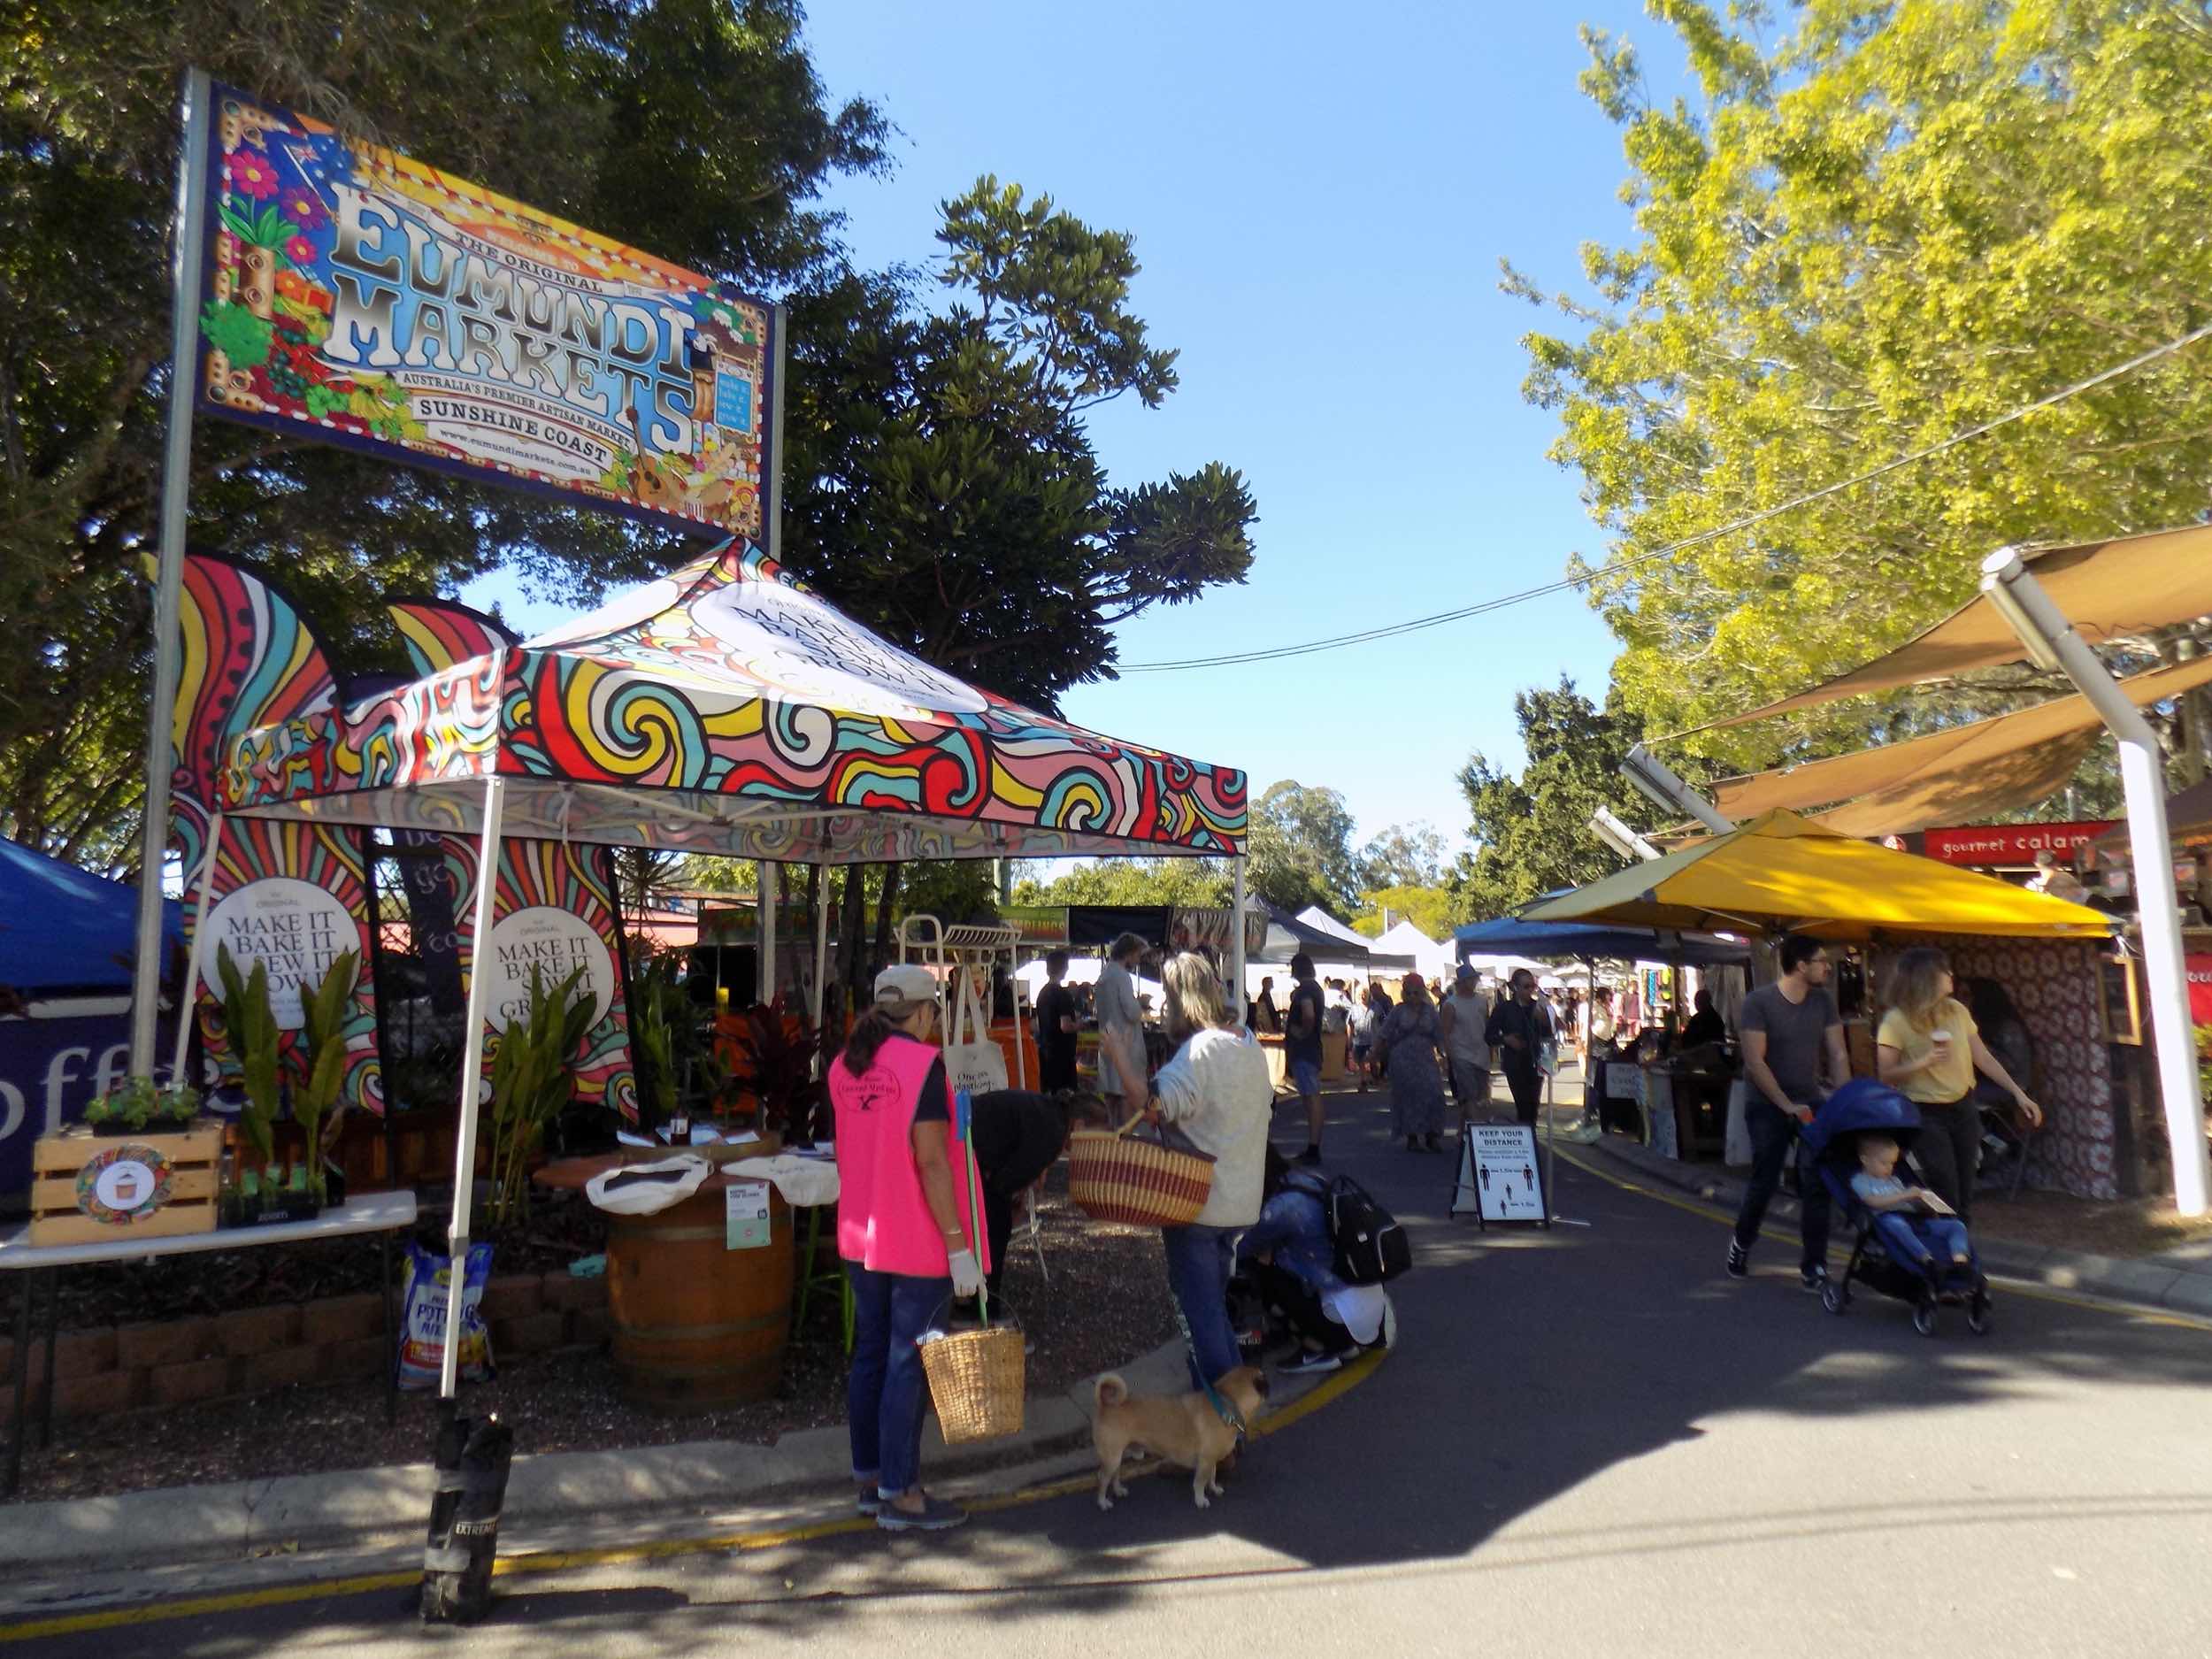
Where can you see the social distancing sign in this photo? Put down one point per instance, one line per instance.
(1500, 1176)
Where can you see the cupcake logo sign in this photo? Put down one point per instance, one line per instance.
(394, 308)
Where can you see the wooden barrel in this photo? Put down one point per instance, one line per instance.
(698, 1326)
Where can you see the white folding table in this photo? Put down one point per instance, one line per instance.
(384, 1213)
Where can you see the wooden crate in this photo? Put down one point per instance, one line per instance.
(58, 1161)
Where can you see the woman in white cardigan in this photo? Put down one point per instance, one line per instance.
(1216, 1092)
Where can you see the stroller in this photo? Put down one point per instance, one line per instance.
(1860, 1108)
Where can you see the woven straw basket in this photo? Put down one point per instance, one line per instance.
(975, 1381)
(1118, 1178)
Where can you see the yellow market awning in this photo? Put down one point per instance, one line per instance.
(1954, 775)
(2120, 589)
(1783, 872)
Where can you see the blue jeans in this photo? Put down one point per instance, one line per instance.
(1910, 1240)
(885, 1392)
(1198, 1269)
(1772, 1130)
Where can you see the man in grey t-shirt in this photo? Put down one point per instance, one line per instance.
(1122, 1074)
(1787, 1029)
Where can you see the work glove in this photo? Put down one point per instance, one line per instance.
(967, 1278)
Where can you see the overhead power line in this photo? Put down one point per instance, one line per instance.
(1336, 643)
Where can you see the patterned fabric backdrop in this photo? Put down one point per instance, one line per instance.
(2054, 985)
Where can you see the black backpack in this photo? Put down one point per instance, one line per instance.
(1372, 1248)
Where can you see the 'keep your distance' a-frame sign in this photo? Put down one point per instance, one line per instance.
(1500, 1177)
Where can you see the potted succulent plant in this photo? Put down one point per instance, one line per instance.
(140, 1105)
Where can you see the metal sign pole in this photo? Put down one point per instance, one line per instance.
(176, 490)
(190, 1001)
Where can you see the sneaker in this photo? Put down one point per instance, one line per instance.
(1312, 1155)
(1389, 1336)
(1739, 1261)
(1812, 1279)
(868, 1501)
(1310, 1365)
(935, 1516)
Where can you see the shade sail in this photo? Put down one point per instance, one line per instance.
(1783, 872)
(1522, 936)
(1981, 769)
(2120, 589)
(725, 709)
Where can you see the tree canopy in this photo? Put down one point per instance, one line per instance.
(1197, 883)
(1873, 230)
(1533, 830)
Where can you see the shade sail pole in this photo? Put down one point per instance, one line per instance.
(2052, 642)
(472, 1081)
(188, 1003)
(1236, 942)
(187, 260)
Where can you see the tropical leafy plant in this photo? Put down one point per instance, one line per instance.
(773, 1067)
(531, 1082)
(251, 1026)
(323, 1056)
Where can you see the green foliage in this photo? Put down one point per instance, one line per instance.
(328, 1008)
(140, 1103)
(1403, 855)
(950, 889)
(693, 128)
(1301, 850)
(237, 333)
(531, 1082)
(1531, 832)
(666, 1029)
(249, 1028)
(1435, 910)
(1193, 883)
(1876, 228)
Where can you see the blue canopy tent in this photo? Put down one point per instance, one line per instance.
(1594, 942)
(63, 929)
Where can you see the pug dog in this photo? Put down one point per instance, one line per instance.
(1180, 1429)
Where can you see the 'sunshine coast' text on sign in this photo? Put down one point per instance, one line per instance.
(391, 307)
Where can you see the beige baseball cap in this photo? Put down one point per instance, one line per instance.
(907, 982)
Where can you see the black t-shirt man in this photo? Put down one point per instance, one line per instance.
(1055, 1038)
(1303, 1041)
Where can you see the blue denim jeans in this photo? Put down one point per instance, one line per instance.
(1198, 1269)
(1909, 1239)
(885, 1396)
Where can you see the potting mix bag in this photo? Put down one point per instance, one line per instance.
(422, 1340)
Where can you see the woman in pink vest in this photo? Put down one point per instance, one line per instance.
(903, 1231)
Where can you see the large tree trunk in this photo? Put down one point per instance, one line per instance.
(851, 923)
(884, 907)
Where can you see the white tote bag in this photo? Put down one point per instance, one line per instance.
(972, 1060)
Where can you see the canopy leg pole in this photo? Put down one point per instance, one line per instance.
(2052, 642)
(1236, 942)
(821, 950)
(471, 1079)
(189, 999)
(769, 884)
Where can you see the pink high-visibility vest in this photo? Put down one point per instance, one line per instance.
(883, 1221)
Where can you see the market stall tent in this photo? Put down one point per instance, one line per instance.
(1783, 872)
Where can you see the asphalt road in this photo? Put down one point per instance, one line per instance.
(1588, 1442)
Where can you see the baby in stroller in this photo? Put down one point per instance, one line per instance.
(1911, 1245)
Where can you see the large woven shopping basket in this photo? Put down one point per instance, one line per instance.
(1123, 1177)
(976, 1380)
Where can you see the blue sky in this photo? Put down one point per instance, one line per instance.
(1319, 196)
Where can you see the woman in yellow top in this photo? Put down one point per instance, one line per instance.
(1928, 1047)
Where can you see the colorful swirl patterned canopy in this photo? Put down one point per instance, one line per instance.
(727, 709)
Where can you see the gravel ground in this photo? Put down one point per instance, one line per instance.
(1107, 1303)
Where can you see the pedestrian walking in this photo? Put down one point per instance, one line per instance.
(1787, 1029)
(1363, 1023)
(904, 1233)
(1519, 1027)
(1410, 1036)
(1215, 1090)
(1301, 1047)
(1057, 1028)
(1121, 1064)
(1464, 1020)
(1929, 1048)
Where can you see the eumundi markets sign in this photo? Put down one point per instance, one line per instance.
(390, 307)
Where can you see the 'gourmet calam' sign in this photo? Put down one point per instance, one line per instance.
(389, 306)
